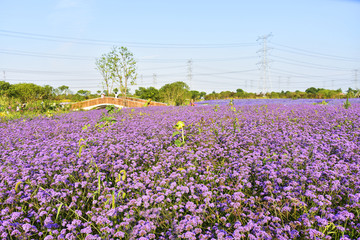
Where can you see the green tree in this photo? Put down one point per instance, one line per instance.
(84, 93)
(103, 64)
(227, 94)
(117, 66)
(175, 93)
(5, 88)
(27, 92)
(312, 91)
(195, 94)
(47, 92)
(63, 90)
(146, 93)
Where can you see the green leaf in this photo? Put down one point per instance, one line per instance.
(81, 140)
(175, 133)
(80, 150)
(58, 211)
(179, 143)
(17, 186)
(99, 183)
(113, 199)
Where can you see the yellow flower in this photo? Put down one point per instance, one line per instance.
(179, 125)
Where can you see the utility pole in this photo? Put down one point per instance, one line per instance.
(264, 64)
(189, 72)
(4, 75)
(154, 80)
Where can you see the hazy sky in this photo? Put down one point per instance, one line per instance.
(313, 43)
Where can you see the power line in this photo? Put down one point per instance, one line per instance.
(315, 54)
(229, 72)
(295, 74)
(77, 57)
(45, 55)
(44, 37)
(309, 65)
(197, 59)
(45, 72)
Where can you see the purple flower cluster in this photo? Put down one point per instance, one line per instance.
(271, 171)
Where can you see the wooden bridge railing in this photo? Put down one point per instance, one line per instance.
(125, 102)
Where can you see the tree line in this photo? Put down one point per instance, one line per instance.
(176, 93)
(118, 70)
(312, 92)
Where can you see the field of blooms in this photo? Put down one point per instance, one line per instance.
(242, 102)
(270, 171)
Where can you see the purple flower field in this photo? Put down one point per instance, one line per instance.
(270, 171)
(284, 101)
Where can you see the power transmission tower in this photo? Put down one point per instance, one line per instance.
(280, 83)
(4, 75)
(189, 72)
(264, 64)
(288, 83)
(154, 79)
(355, 77)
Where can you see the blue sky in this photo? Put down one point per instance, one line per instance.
(313, 43)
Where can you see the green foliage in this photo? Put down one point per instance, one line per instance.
(117, 67)
(147, 103)
(111, 109)
(29, 92)
(196, 95)
(4, 88)
(148, 93)
(347, 104)
(311, 90)
(103, 65)
(175, 93)
(107, 119)
(84, 93)
(64, 89)
(179, 126)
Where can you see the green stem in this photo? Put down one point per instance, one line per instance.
(182, 134)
